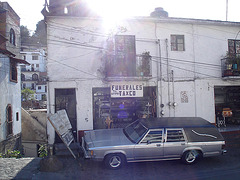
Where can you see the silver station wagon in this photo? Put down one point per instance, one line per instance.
(154, 139)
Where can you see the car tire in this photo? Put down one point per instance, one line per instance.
(190, 157)
(114, 161)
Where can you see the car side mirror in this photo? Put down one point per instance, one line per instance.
(148, 142)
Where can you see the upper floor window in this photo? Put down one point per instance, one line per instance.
(12, 37)
(234, 47)
(34, 57)
(13, 71)
(34, 77)
(124, 61)
(22, 77)
(177, 43)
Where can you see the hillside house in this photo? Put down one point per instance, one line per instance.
(144, 66)
(10, 79)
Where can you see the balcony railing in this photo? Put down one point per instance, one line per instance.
(141, 67)
(230, 67)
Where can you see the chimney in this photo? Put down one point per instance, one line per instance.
(159, 12)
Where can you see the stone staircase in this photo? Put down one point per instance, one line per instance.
(31, 124)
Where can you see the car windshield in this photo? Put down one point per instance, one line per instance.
(135, 131)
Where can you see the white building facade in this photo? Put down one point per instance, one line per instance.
(33, 75)
(150, 66)
(10, 81)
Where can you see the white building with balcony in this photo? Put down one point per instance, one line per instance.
(34, 74)
(152, 66)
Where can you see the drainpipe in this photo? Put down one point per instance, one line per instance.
(157, 93)
(160, 78)
(174, 103)
(168, 77)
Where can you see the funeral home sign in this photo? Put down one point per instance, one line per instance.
(126, 90)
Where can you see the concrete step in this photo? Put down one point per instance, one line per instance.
(62, 150)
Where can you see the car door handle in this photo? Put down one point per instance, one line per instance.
(183, 144)
(158, 145)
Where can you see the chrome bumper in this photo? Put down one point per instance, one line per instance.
(86, 154)
(224, 151)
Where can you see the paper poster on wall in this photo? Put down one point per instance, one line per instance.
(126, 90)
(184, 97)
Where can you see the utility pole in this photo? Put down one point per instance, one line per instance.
(226, 10)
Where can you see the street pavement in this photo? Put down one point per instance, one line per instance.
(221, 167)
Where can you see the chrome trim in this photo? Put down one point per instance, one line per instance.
(147, 160)
(224, 151)
(208, 135)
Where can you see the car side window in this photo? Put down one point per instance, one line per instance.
(175, 135)
(153, 137)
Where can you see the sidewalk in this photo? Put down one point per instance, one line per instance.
(22, 168)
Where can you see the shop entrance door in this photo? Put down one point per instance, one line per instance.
(227, 105)
(66, 99)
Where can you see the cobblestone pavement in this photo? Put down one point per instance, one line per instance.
(22, 168)
(221, 167)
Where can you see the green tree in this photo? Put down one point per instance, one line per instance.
(27, 94)
(25, 35)
(40, 34)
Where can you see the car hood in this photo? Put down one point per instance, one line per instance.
(106, 137)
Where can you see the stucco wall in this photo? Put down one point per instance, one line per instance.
(75, 46)
(11, 94)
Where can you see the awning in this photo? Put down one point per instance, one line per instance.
(19, 61)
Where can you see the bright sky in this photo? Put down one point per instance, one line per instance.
(30, 10)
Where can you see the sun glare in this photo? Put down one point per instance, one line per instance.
(112, 11)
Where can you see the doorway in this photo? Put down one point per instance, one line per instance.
(227, 104)
(66, 99)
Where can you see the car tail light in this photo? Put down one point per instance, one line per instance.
(223, 146)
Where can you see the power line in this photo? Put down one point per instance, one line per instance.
(77, 29)
(187, 61)
(74, 68)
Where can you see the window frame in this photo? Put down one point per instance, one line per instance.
(13, 71)
(35, 77)
(236, 49)
(125, 59)
(34, 57)
(152, 130)
(12, 37)
(175, 44)
(9, 120)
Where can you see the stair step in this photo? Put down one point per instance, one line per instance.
(62, 150)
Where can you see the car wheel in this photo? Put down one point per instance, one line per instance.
(190, 157)
(114, 161)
